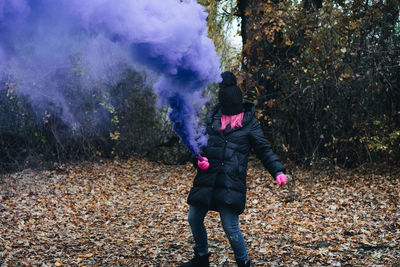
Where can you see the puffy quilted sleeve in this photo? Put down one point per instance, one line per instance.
(263, 150)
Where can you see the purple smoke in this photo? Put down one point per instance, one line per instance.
(168, 38)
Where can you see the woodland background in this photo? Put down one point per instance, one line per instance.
(325, 79)
(324, 75)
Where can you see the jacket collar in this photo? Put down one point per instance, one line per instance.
(216, 113)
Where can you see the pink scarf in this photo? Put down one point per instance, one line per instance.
(234, 120)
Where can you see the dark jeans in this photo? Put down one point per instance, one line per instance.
(230, 224)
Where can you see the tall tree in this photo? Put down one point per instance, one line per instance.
(222, 20)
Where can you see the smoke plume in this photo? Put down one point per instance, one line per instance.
(41, 39)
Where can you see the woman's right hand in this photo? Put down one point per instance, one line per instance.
(204, 164)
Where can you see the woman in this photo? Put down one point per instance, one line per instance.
(220, 183)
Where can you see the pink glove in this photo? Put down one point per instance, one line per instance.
(203, 164)
(281, 179)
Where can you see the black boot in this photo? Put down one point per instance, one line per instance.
(198, 261)
(242, 263)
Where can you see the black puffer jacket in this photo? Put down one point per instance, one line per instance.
(224, 183)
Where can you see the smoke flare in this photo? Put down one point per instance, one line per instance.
(40, 38)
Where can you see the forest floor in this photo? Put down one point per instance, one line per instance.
(134, 213)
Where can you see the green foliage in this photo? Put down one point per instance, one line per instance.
(222, 20)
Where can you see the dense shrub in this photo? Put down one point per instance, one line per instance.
(107, 120)
(325, 76)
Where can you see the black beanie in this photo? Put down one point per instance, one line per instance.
(229, 95)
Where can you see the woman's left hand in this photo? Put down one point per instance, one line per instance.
(281, 179)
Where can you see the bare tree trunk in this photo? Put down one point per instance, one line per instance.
(312, 4)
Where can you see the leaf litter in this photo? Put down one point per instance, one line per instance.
(133, 212)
